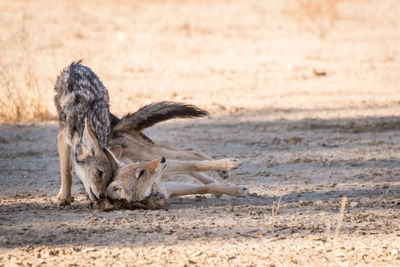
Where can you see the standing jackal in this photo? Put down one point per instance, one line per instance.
(84, 130)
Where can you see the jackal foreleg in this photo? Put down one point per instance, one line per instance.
(64, 152)
(180, 189)
(203, 178)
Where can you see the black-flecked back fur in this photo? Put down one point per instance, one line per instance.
(80, 94)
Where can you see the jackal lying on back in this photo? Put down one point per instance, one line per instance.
(143, 182)
(137, 177)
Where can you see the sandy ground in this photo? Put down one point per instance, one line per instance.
(312, 120)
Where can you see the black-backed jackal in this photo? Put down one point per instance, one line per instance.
(84, 130)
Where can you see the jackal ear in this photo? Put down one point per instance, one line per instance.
(89, 139)
(115, 163)
(117, 151)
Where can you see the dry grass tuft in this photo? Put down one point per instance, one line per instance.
(341, 215)
(338, 223)
(275, 211)
(21, 98)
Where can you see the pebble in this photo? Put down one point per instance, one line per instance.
(354, 204)
(305, 202)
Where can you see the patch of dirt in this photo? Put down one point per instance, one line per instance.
(295, 169)
(358, 125)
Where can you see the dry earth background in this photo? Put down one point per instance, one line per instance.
(305, 93)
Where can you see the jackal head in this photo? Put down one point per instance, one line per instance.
(135, 182)
(93, 164)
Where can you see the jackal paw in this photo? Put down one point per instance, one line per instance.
(241, 191)
(64, 200)
(231, 164)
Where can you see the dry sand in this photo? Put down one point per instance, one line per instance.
(312, 120)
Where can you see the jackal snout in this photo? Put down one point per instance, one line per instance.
(135, 182)
(93, 165)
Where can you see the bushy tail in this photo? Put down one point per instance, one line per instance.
(151, 114)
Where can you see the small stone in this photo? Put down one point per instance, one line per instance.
(318, 72)
(354, 204)
(305, 202)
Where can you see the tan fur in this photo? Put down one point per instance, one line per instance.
(64, 152)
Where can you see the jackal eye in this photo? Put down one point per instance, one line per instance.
(99, 174)
(141, 173)
(118, 189)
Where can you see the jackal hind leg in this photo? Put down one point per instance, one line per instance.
(190, 153)
(204, 165)
(194, 168)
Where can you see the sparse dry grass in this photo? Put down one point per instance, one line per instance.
(340, 218)
(21, 98)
